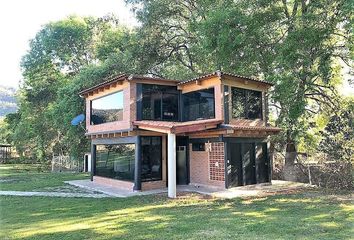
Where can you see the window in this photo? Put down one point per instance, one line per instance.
(107, 109)
(199, 105)
(198, 147)
(151, 157)
(159, 102)
(116, 161)
(246, 103)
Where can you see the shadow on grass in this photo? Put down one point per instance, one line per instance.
(155, 217)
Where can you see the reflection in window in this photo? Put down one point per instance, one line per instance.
(159, 102)
(107, 109)
(151, 155)
(199, 105)
(246, 103)
(198, 147)
(115, 161)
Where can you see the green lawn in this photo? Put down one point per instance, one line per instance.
(22, 177)
(305, 215)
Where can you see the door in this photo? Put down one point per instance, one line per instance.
(86, 164)
(181, 167)
(234, 165)
(249, 164)
(262, 163)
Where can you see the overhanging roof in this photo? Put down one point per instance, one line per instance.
(177, 127)
(220, 74)
(121, 77)
(252, 128)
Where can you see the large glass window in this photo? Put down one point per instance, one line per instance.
(199, 105)
(246, 103)
(115, 161)
(107, 109)
(159, 102)
(151, 156)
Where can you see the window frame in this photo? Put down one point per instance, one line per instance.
(246, 104)
(91, 100)
(132, 162)
(185, 96)
(162, 100)
(161, 160)
(199, 148)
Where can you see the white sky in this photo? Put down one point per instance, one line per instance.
(20, 20)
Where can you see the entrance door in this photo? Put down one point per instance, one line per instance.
(181, 165)
(262, 163)
(249, 164)
(86, 164)
(234, 165)
(182, 160)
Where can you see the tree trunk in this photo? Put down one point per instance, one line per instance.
(289, 167)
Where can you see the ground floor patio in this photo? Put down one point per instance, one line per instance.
(258, 190)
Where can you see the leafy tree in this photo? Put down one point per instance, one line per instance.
(49, 99)
(338, 135)
(295, 44)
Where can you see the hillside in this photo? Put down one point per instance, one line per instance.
(7, 100)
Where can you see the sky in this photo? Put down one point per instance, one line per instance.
(20, 20)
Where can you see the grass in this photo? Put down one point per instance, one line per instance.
(305, 215)
(26, 177)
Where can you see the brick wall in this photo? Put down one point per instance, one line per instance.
(114, 182)
(203, 170)
(216, 161)
(153, 185)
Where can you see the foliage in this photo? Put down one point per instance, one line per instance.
(338, 135)
(297, 45)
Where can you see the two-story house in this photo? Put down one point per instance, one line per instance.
(149, 133)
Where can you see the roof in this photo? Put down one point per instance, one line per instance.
(177, 127)
(251, 128)
(108, 81)
(220, 74)
(114, 79)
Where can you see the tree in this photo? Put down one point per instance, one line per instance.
(295, 44)
(49, 99)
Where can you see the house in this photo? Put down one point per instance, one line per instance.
(149, 133)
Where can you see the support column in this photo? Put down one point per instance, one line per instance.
(93, 160)
(137, 169)
(171, 165)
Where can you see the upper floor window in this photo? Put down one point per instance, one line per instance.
(199, 105)
(108, 108)
(246, 103)
(159, 102)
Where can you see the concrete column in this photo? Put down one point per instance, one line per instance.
(171, 165)
(93, 160)
(137, 169)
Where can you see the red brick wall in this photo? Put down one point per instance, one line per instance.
(114, 182)
(153, 185)
(201, 172)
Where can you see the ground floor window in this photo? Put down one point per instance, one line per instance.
(151, 157)
(116, 161)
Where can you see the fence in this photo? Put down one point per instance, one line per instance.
(62, 163)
